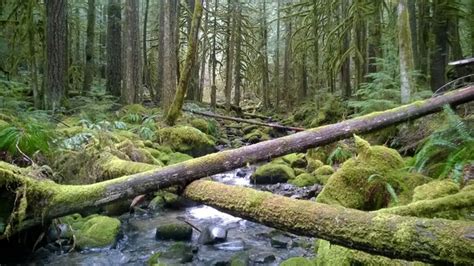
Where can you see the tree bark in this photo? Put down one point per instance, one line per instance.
(406, 52)
(393, 236)
(214, 58)
(439, 55)
(240, 120)
(190, 62)
(170, 52)
(131, 90)
(229, 53)
(90, 67)
(56, 53)
(48, 200)
(238, 53)
(114, 48)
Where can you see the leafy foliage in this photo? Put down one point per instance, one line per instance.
(448, 150)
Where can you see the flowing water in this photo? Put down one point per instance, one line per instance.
(137, 241)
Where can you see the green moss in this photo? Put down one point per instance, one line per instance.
(435, 189)
(272, 173)
(324, 170)
(322, 179)
(298, 261)
(114, 167)
(256, 136)
(350, 186)
(177, 157)
(299, 171)
(175, 230)
(303, 180)
(187, 140)
(93, 231)
(200, 124)
(313, 164)
(295, 160)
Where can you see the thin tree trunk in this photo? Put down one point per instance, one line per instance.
(346, 65)
(214, 59)
(90, 66)
(276, 74)
(146, 73)
(58, 200)
(114, 48)
(170, 55)
(414, 32)
(264, 56)
(238, 53)
(190, 61)
(439, 55)
(423, 35)
(32, 57)
(161, 53)
(375, 37)
(131, 91)
(229, 53)
(205, 47)
(406, 52)
(56, 53)
(287, 65)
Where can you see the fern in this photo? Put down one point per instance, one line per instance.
(448, 150)
(338, 155)
(25, 137)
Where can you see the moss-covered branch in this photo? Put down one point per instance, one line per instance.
(411, 238)
(47, 200)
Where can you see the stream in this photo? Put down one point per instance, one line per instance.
(256, 243)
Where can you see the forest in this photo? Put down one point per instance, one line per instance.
(235, 132)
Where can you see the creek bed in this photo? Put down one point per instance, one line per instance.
(137, 243)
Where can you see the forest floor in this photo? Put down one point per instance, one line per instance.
(95, 139)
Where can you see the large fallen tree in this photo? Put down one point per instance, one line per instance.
(37, 201)
(394, 236)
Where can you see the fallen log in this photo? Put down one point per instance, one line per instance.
(241, 120)
(393, 236)
(48, 200)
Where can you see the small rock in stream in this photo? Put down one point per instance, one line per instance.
(176, 230)
(264, 257)
(212, 235)
(280, 241)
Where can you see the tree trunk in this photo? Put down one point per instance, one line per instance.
(229, 53)
(406, 52)
(423, 35)
(131, 90)
(375, 36)
(56, 53)
(170, 55)
(276, 74)
(33, 67)
(346, 65)
(439, 55)
(238, 53)
(240, 120)
(205, 43)
(214, 59)
(393, 236)
(114, 48)
(89, 67)
(264, 56)
(161, 54)
(192, 91)
(189, 63)
(48, 200)
(146, 72)
(287, 65)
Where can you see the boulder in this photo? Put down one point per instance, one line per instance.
(435, 189)
(313, 164)
(272, 173)
(256, 136)
(303, 180)
(212, 235)
(187, 140)
(94, 231)
(295, 160)
(174, 230)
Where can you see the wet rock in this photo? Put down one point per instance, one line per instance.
(280, 241)
(240, 259)
(177, 253)
(264, 257)
(298, 261)
(272, 173)
(236, 245)
(59, 231)
(290, 190)
(118, 208)
(303, 180)
(175, 230)
(241, 173)
(187, 140)
(212, 235)
(299, 171)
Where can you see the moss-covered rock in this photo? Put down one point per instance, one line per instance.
(174, 230)
(313, 164)
(137, 152)
(200, 124)
(178, 253)
(298, 261)
(272, 173)
(94, 231)
(324, 170)
(303, 180)
(187, 140)
(350, 186)
(435, 189)
(256, 136)
(164, 199)
(177, 157)
(295, 160)
(240, 259)
(249, 128)
(299, 171)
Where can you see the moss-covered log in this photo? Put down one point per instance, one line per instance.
(47, 200)
(240, 120)
(410, 238)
